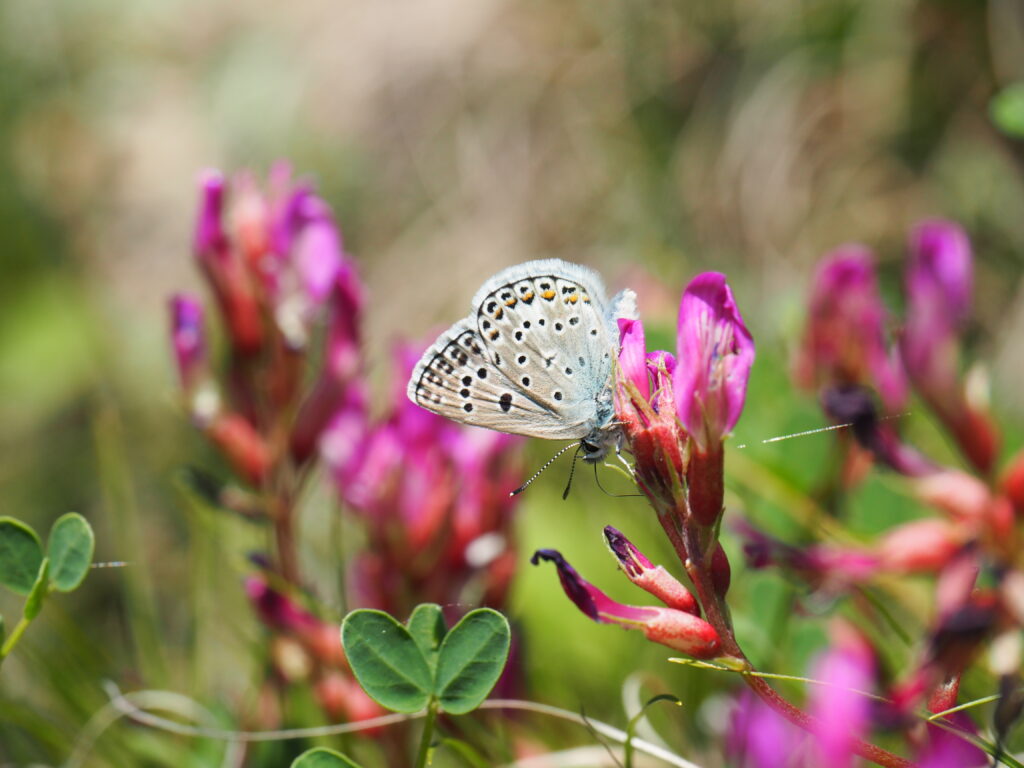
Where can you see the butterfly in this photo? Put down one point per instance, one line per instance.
(534, 357)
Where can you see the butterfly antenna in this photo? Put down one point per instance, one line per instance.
(547, 464)
(572, 471)
(597, 479)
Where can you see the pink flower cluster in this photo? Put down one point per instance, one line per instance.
(431, 496)
(675, 412)
(846, 351)
(971, 540)
(435, 499)
(277, 269)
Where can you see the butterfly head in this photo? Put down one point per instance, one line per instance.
(596, 445)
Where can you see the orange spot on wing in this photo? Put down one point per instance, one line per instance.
(549, 295)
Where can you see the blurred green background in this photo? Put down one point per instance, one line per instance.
(455, 137)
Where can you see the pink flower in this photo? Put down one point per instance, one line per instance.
(225, 269)
(434, 496)
(632, 355)
(841, 710)
(759, 737)
(713, 360)
(342, 364)
(844, 342)
(276, 265)
(674, 628)
(939, 283)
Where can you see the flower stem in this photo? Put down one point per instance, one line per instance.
(428, 735)
(12, 639)
(692, 556)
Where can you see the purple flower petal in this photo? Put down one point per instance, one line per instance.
(632, 354)
(842, 712)
(844, 342)
(209, 235)
(188, 337)
(714, 356)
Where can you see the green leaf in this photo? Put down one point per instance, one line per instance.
(386, 661)
(427, 627)
(1007, 110)
(34, 603)
(321, 757)
(3, 630)
(471, 659)
(69, 548)
(20, 555)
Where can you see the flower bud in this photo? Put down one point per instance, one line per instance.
(676, 629)
(649, 577)
(243, 446)
(921, 546)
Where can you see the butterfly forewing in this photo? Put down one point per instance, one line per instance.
(532, 358)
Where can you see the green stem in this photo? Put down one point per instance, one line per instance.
(428, 735)
(12, 639)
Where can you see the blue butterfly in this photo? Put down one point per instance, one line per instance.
(534, 357)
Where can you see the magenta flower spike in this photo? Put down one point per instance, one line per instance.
(209, 239)
(342, 363)
(318, 249)
(714, 356)
(652, 578)
(632, 355)
(225, 269)
(676, 629)
(939, 282)
(844, 343)
(188, 337)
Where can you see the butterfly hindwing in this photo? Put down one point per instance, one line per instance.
(455, 378)
(548, 334)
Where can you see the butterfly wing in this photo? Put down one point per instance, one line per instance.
(534, 358)
(457, 378)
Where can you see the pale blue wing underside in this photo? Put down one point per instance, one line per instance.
(534, 357)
